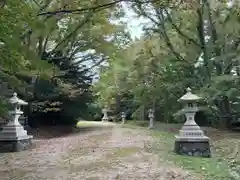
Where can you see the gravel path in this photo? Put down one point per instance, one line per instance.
(106, 154)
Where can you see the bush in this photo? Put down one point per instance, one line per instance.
(60, 110)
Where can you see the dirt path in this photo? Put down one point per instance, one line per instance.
(117, 153)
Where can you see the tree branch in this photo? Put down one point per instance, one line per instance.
(214, 38)
(74, 31)
(36, 3)
(98, 63)
(46, 41)
(93, 8)
(161, 29)
(165, 35)
(201, 35)
(179, 31)
(67, 11)
(2, 3)
(73, 53)
(44, 6)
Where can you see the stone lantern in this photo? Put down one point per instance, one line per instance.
(105, 114)
(13, 137)
(191, 139)
(151, 118)
(123, 116)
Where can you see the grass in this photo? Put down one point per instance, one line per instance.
(137, 123)
(209, 168)
(221, 166)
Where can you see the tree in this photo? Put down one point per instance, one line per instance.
(61, 48)
(192, 45)
(205, 24)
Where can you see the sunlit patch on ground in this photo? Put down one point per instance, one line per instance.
(82, 124)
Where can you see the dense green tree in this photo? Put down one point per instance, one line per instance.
(59, 48)
(196, 45)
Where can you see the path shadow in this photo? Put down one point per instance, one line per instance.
(50, 132)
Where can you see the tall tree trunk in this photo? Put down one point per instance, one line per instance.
(225, 111)
(117, 104)
(214, 38)
(143, 113)
(201, 35)
(166, 109)
(154, 107)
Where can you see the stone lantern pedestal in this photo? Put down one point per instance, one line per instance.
(13, 137)
(191, 140)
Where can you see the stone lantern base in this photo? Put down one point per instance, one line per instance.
(105, 120)
(192, 146)
(13, 138)
(191, 141)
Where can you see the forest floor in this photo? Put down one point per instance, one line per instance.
(109, 151)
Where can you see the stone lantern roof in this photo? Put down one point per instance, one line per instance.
(16, 100)
(189, 97)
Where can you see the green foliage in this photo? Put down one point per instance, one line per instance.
(3, 107)
(63, 47)
(60, 49)
(173, 55)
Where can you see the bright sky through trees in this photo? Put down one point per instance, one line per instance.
(134, 23)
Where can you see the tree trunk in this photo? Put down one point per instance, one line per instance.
(225, 111)
(117, 104)
(143, 113)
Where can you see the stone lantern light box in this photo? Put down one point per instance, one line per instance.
(13, 137)
(191, 139)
